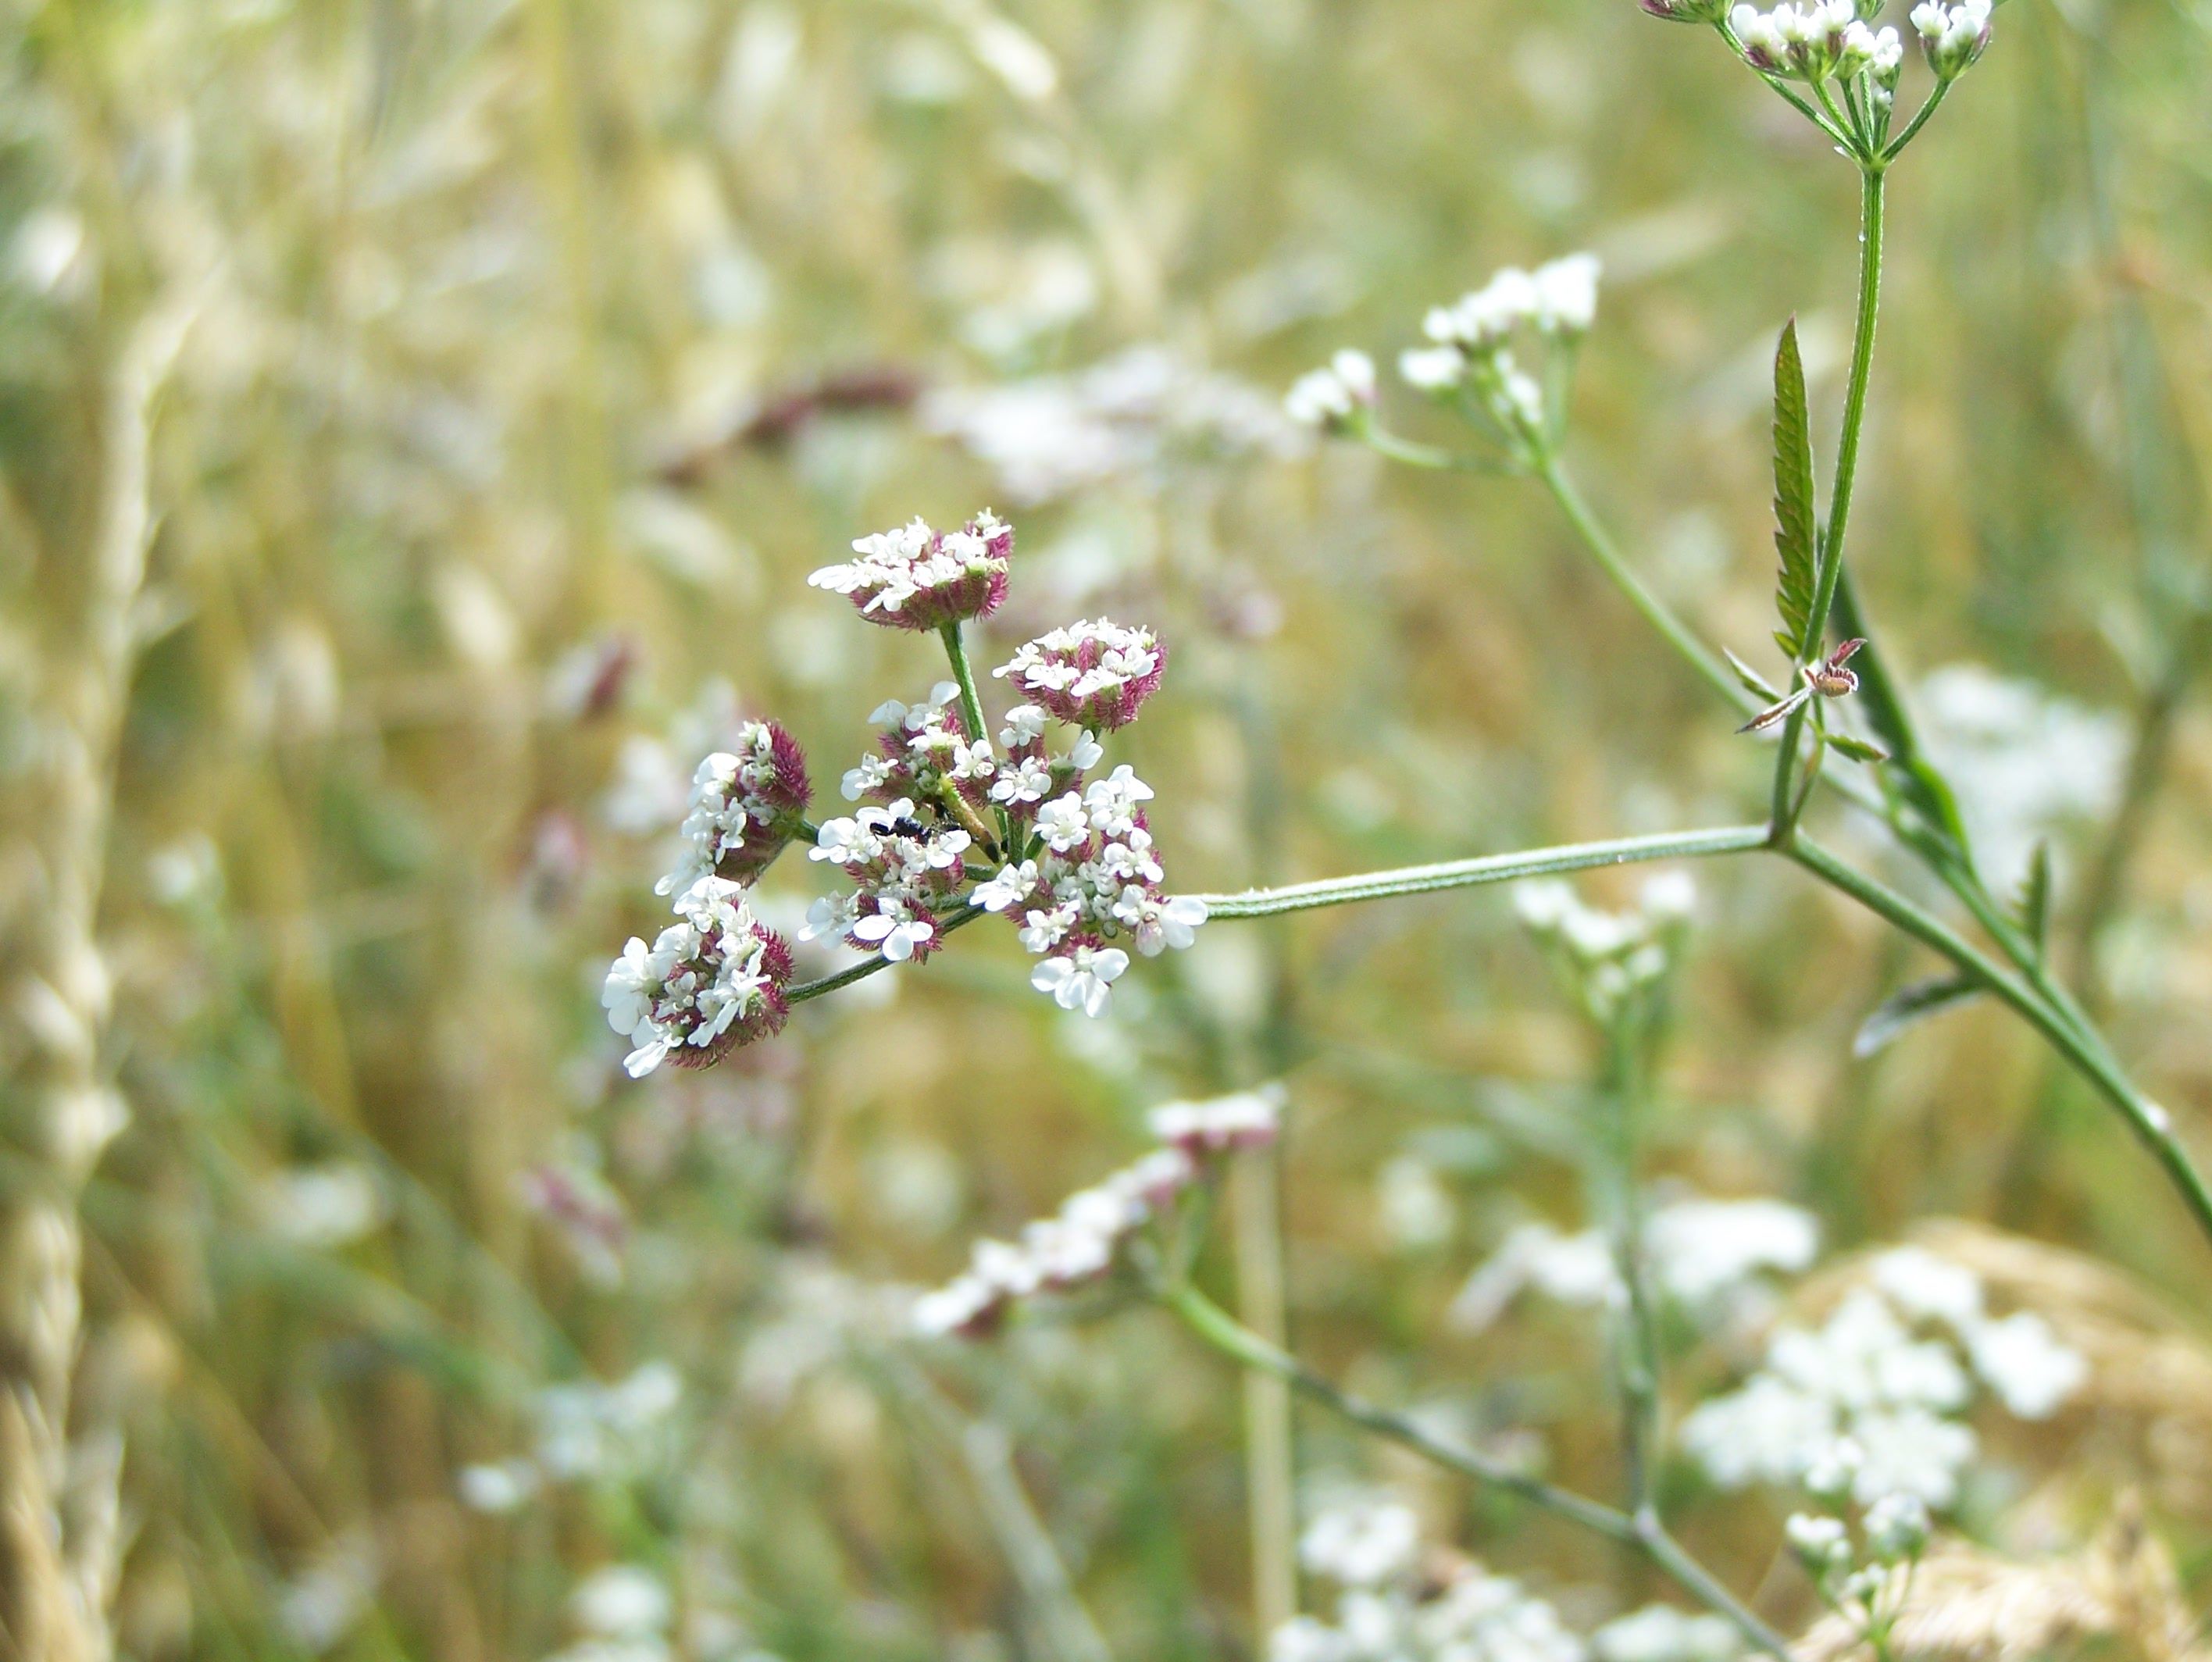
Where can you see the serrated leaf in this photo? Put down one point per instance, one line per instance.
(1753, 682)
(1858, 748)
(2031, 906)
(1910, 1006)
(1796, 533)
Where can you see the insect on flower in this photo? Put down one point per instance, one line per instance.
(1828, 677)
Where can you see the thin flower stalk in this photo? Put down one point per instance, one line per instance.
(1219, 1331)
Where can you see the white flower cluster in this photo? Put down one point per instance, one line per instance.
(1952, 36)
(1819, 40)
(1471, 354)
(1880, 1384)
(1370, 1546)
(1068, 859)
(746, 802)
(711, 980)
(904, 874)
(1661, 1632)
(914, 578)
(1082, 1243)
(1608, 955)
(1703, 1256)
(1334, 396)
(586, 1432)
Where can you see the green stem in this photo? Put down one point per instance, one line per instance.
(1486, 868)
(1656, 611)
(1934, 101)
(1854, 404)
(845, 977)
(1637, 1358)
(2152, 1125)
(1432, 457)
(1847, 466)
(972, 707)
(1217, 1328)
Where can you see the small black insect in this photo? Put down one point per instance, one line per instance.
(903, 826)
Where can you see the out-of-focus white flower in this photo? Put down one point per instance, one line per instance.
(1897, 1528)
(319, 1606)
(622, 1601)
(1245, 1120)
(2023, 1361)
(1566, 295)
(1432, 368)
(1661, 1632)
(324, 1206)
(1927, 1287)
(501, 1488)
(1823, 1544)
(1362, 1543)
(1335, 396)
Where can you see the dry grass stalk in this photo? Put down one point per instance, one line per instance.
(59, 1510)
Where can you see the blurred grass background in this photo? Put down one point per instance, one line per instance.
(532, 351)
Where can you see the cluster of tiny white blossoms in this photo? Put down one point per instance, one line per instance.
(1396, 1603)
(1083, 1243)
(712, 980)
(1879, 1387)
(1067, 858)
(915, 578)
(1470, 363)
(1711, 1259)
(746, 803)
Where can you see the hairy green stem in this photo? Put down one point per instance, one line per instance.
(1933, 102)
(1486, 868)
(1220, 1330)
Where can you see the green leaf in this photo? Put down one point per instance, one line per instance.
(1858, 748)
(1753, 682)
(1908, 1007)
(2031, 906)
(1796, 533)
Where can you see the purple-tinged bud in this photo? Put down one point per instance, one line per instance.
(915, 578)
(746, 803)
(1094, 676)
(712, 980)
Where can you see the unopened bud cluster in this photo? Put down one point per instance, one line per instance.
(1084, 1243)
(1954, 37)
(1828, 40)
(1068, 859)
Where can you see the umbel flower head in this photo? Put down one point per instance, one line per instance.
(746, 803)
(713, 979)
(1816, 41)
(915, 578)
(950, 825)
